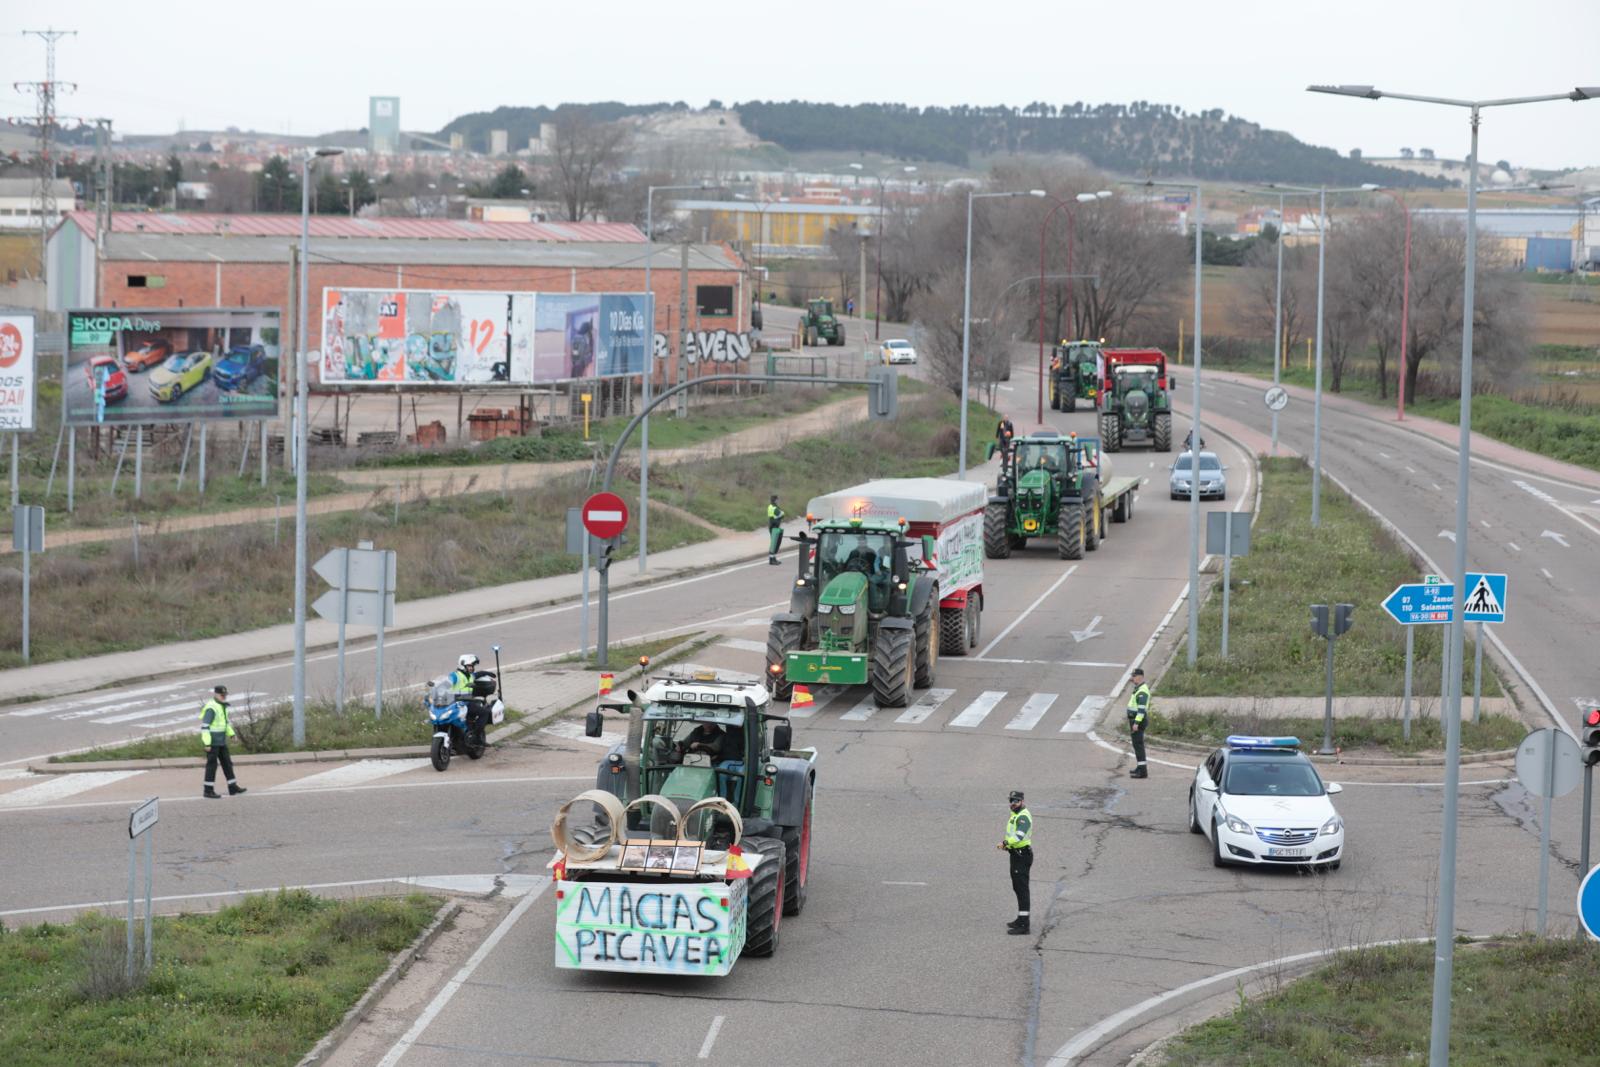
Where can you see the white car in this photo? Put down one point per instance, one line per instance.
(1260, 802)
(1213, 476)
(898, 351)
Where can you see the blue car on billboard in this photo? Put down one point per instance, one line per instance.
(242, 365)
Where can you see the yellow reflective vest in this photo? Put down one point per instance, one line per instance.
(1019, 830)
(214, 722)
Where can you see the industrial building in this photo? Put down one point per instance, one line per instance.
(771, 228)
(1558, 238)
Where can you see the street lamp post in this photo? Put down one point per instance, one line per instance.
(649, 368)
(1277, 319)
(301, 392)
(1445, 932)
(966, 316)
(1044, 226)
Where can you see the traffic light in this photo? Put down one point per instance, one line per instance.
(1589, 736)
(1319, 619)
(1342, 617)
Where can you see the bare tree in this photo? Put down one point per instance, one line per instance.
(845, 251)
(1299, 291)
(938, 310)
(584, 155)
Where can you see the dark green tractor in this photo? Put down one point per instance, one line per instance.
(1045, 489)
(1072, 374)
(818, 323)
(1137, 406)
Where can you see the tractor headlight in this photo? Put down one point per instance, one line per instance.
(824, 609)
(845, 609)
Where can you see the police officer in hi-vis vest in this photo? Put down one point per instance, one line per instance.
(774, 529)
(1138, 718)
(215, 729)
(1018, 847)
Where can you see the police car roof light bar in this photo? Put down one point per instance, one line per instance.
(1247, 741)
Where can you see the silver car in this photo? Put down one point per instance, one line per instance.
(1213, 476)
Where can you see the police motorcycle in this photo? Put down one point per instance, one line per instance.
(460, 720)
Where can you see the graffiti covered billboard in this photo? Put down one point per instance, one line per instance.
(411, 337)
(131, 367)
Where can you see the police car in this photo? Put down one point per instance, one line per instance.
(1261, 802)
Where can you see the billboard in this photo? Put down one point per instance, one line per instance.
(133, 366)
(17, 371)
(419, 337)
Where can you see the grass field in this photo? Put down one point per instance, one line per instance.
(1495, 733)
(1272, 651)
(1517, 1002)
(95, 598)
(732, 491)
(258, 983)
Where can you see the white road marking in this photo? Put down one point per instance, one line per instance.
(743, 645)
(1448, 535)
(1413, 470)
(905, 883)
(61, 786)
(19, 772)
(1557, 538)
(1018, 620)
(1087, 714)
(926, 705)
(862, 711)
(716, 1027)
(1546, 572)
(1033, 709)
(974, 713)
(1080, 636)
(1054, 662)
(167, 709)
(571, 731)
(367, 770)
(103, 699)
(1437, 488)
(438, 1003)
(1385, 455)
(1514, 546)
(160, 723)
(1485, 524)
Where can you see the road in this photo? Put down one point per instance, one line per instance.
(900, 956)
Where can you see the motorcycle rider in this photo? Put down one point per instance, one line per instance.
(460, 682)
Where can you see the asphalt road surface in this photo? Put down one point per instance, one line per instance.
(900, 955)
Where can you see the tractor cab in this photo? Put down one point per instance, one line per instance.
(853, 561)
(820, 308)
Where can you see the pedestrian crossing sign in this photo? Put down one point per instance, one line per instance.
(1485, 599)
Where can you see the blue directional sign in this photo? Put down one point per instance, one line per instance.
(1421, 604)
(1589, 903)
(1486, 598)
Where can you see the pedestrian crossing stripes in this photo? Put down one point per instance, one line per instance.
(1086, 715)
(1033, 709)
(367, 770)
(571, 731)
(852, 706)
(862, 711)
(926, 705)
(60, 787)
(820, 695)
(979, 709)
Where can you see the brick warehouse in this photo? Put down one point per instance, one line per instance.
(207, 260)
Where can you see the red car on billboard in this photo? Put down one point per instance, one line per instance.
(116, 380)
(152, 353)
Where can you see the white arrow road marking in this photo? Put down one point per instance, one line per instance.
(926, 705)
(1448, 535)
(367, 770)
(862, 711)
(571, 731)
(1557, 538)
(974, 713)
(1087, 632)
(60, 787)
(1088, 713)
(1018, 620)
(1033, 709)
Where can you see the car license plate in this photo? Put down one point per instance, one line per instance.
(1288, 852)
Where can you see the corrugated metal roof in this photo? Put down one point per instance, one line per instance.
(340, 226)
(147, 248)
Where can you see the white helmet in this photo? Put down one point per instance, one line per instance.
(468, 662)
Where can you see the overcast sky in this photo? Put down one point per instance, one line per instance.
(311, 66)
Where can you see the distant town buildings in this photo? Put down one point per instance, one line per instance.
(19, 203)
(383, 126)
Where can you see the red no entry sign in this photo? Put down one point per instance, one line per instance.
(605, 515)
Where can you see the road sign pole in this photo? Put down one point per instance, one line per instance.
(1327, 748)
(1544, 842)
(1477, 677)
(263, 453)
(149, 886)
(383, 614)
(138, 463)
(16, 453)
(1405, 712)
(72, 465)
(27, 581)
(583, 615)
(1588, 795)
(133, 861)
(1444, 677)
(201, 471)
(603, 637)
(1227, 576)
(344, 613)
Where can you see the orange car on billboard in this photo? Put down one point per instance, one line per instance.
(151, 353)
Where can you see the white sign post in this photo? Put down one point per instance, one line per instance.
(27, 537)
(1548, 765)
(363, 580)
(140, 821)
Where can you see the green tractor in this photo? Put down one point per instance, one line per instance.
(1136, 406)
(1047, 487)
(818, 323)
(1072, 374)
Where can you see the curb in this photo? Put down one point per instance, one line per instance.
(397, 969)
(1498, 756)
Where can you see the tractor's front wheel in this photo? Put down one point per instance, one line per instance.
(1162, 430)
(1069, 532)
(1111, 433)
(1055, 397)
(996, 536)
(797, 860)
(811, 337)
(892, 667)
(1072, 402)
(766, 896)
(783, 637)
(926, 643)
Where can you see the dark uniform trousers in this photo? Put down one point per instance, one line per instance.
(1021, 865)
(217, 754)
(1138, 746)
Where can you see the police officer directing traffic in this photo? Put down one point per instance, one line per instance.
(1138, 717)
(1018, 846)
(215, 729)
(774, 529)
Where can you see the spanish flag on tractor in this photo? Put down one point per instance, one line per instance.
(605, 683)
(737, 867)
(801, 698)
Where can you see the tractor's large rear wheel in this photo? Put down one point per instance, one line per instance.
(1055, 396)
(783, 637)
(1071, 401)
(766, 896)
(926, 643)
(1161, 427)
(797, 860)
(1111, 433)
(996, 536)
(955, 624)
(892, 667)
(838, 335)
(811, 337)
(1069, 531)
